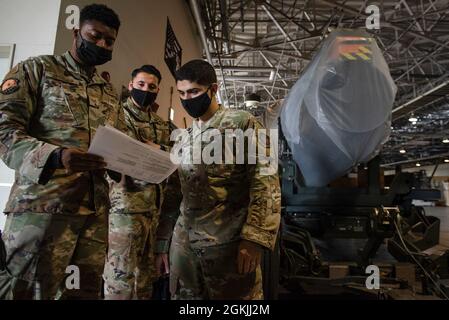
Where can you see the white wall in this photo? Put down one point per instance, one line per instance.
(30, 25)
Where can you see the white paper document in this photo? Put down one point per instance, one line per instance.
(131, 157)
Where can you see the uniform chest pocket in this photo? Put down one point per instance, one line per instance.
(162, 133)
(102, 105)
(65, 103)
(228, 158)
(145, 134)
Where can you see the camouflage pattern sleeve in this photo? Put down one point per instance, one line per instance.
(169, 214)
(120, 122)
(262, 223)
(18, 101)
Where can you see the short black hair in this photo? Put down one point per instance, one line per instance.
(101, 13)
(147, 69)
(198, 71)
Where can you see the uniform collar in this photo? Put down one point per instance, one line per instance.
(213, 122)
(75, 68)
(136, 112)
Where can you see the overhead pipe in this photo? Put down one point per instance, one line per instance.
(199, 23)
(282, 30)
(246, 69)
(248, 79)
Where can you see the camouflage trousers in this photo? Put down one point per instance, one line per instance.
(209, 273)
(130, 267)
(41, 247)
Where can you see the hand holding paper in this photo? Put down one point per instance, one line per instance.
(131, 157)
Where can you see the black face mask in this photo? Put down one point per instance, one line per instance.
(91, 54)
(143, 98)
(198, 106)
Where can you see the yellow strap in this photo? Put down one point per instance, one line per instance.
(365, 50)
(363, 56)
(349, 56)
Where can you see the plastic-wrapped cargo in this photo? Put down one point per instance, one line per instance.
(338, 114)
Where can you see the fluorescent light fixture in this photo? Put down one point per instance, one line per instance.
(413, 119)
(252, 100)
(446, 160)
(172, 114)
(418, 164)
(402, 151)
(446, 140)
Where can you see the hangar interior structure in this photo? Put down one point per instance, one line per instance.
(260, 49)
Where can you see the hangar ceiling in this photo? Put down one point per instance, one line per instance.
(263, 46)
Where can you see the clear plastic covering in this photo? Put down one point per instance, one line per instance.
(338, 114)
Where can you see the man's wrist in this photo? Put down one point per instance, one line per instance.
(55, 160)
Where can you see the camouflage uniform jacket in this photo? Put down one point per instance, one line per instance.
(54, 103)
(132, 195)
(223, 203)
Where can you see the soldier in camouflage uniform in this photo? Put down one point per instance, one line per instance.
(229, 212)
(129, 271)
(50, 108)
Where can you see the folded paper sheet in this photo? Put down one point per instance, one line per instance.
(131, 157)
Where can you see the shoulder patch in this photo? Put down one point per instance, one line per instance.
(9, 86)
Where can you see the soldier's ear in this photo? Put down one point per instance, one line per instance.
(130, 86)
(214, 88)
